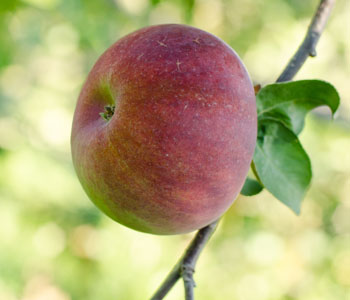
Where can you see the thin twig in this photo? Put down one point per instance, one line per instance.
(186, 265)
(187, 276)
(308, 46)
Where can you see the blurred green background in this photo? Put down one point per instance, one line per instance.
(55, 245)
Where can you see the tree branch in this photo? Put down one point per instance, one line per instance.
(185, 267)
(308, 46)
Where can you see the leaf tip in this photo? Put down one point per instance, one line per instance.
(296, 209)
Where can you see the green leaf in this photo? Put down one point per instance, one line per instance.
(281, 163)
(288, 102)
(251, 187)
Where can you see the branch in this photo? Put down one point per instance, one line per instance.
(308, 46)
(185, 267)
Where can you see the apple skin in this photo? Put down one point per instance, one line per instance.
(177, 150)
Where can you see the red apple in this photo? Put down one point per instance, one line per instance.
(164, 129)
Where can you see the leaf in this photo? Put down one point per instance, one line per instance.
(282, 164)
(288, 102)
(251, 187)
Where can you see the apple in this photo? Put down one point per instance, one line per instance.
(164, 129)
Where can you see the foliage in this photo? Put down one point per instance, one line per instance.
(280, 162)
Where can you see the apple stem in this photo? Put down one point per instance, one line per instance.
(186, 265)
(255, 172)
